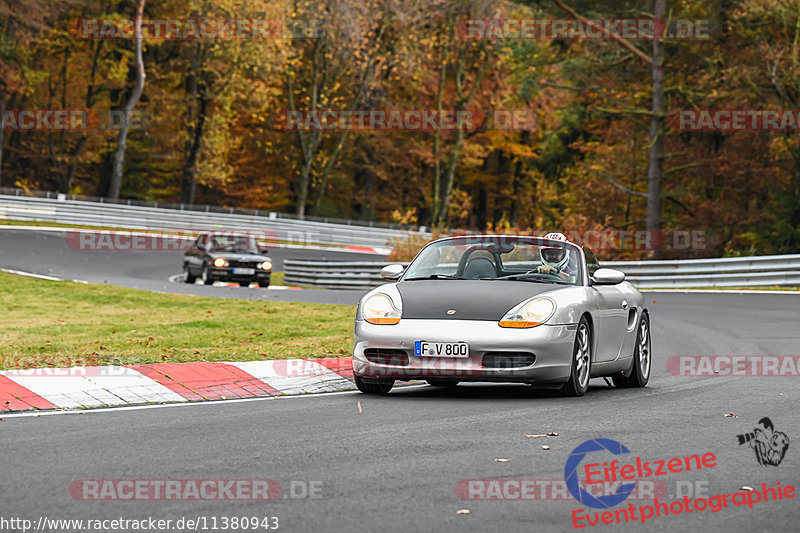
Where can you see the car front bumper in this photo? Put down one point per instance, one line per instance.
(551, 346)
(226, 274)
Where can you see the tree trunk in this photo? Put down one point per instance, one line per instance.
(189, 174)
(437, 135)
(90, 94)
(119, 156)
(198, 104)
(308, 153)
(656, 151)
(3, 102)
(450, 177)
(463, 102)
(326, 172)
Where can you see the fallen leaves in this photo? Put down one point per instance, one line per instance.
(746, 488)
(502, 460)
(545, 447)
(359, 408)
(463, 511)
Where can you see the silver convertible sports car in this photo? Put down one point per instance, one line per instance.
(502, 308)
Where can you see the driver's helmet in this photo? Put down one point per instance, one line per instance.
(555, 257)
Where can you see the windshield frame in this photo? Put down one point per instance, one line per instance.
(253, 243)
(583, 277)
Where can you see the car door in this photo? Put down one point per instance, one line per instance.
(194, 257)
(611, 314)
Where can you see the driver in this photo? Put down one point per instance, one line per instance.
(554, 260)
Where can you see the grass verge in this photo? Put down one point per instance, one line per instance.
(60, 323)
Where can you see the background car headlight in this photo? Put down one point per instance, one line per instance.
(220, 262)
(266, 265)
(530, 314)
(378, 309)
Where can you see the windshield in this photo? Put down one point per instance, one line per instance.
(234, 243)
(498, 258)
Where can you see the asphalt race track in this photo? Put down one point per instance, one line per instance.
(393, 463)
(48, 253)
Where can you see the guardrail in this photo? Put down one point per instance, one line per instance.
(362, 275)
(63, 210)
(756, 271)
(48, 195)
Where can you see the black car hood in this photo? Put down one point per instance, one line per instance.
(239, 256)
(471, 299)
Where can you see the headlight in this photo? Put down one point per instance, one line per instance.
(266, 265)
(529, 314)
(220, 262)
(378, 309)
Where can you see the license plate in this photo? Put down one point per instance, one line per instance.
(245, 271)
(441, 349)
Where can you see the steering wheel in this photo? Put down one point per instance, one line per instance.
(546, 275)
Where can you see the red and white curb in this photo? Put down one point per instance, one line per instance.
(109, 386)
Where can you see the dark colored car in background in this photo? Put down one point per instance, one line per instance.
(227, 257)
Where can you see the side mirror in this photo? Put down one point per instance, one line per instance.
(262, 248)
(607, 276)
(392, 272)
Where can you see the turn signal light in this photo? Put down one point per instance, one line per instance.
(383, 320)
(518, 324)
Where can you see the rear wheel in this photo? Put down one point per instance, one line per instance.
(187, 274)
(578, 381)
(438, 382)
(205, 276)
(244, 283)
(639, 374)
(381, 388)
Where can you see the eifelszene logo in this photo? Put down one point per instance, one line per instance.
(571, 474)
(770, 445)
(615, 472)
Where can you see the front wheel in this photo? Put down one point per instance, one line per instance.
(187, 274)
(205, 276)
(639, 374)
(578, 381)
(381, 388)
